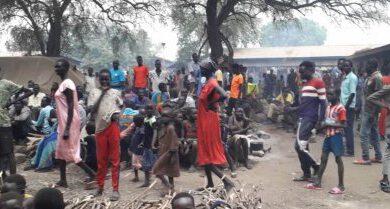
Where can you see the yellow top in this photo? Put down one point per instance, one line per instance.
(219, 75)
(289, 99)
(252, 88)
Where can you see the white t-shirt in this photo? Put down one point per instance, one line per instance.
(190, 102)
(157, 79)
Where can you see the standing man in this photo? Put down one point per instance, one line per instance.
(34, 101)
(195, 74)
(141, 75)
(157, 76)
(292, 84)
(7, 157)
(90, 80)
(381, 99)
(369, 128)
(311, 113)
(118, 78)
(348, 100)
(105, 105)
(235, 89)
(272, 82)
(219, 77)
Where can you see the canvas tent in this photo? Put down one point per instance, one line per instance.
(37, 68)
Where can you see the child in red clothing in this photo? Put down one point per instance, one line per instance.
(335, 118)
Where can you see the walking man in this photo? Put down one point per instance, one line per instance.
(311, 113)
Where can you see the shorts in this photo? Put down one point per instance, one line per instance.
(334, 144)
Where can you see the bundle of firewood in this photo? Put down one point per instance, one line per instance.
(246, 197)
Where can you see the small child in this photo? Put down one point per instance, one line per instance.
(149, 158)
(90, 142)
(168, 162)
(334, 123)
(183, 200)
(136, 146)
(17, 183)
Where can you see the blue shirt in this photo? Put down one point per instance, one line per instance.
(348, 87)
(43, 119)
(159, 97)
(117, 77)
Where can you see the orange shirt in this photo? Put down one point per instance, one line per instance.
(235, 87)
(141, 74)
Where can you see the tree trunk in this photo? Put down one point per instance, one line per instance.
(213, 35)
(229, 47)
(54, 39)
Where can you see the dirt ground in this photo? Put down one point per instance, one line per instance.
(273, 173)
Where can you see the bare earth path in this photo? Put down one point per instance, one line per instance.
(273, 173)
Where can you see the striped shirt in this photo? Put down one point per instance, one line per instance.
(335, 114)
(313, 94)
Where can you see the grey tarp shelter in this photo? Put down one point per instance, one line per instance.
(40, 69)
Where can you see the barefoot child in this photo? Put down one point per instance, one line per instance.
(168, 143)
(335, 118)
(136, 146)
(150, 131)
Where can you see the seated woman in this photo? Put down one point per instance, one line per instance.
(43, 158)
(238, 144)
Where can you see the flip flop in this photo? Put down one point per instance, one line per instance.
(362, 162)
(312, 187)
(336, 190)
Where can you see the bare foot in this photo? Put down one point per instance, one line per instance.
(63, 184)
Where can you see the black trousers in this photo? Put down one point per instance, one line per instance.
(7, 157)
(303, 134)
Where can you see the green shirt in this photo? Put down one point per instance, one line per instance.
(7, 89)
(373, 84)
(348, 87)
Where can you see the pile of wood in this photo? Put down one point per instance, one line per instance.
(246, 197)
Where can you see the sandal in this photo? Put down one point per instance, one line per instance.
(385, 186)
(362, 162)
(312, 186)
(336, 190)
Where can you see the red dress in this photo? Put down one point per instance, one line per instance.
(210, 148)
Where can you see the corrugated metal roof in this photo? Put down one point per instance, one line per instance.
(300, 51)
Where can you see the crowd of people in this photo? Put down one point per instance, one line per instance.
(158, 122)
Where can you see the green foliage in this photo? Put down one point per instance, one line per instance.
(22, 40)
(102, 47)
(301, 32)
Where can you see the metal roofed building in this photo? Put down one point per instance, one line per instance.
(288, 57)
(382, 54)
